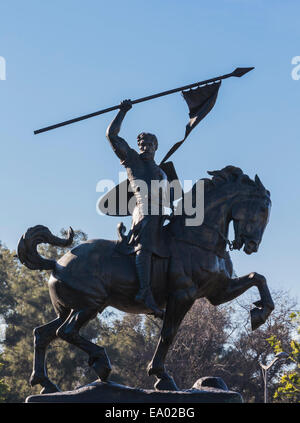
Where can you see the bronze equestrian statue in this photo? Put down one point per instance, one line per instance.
(96, 274)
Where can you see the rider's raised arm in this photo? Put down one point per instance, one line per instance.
(119, 145)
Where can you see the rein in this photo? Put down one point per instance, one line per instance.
(205, 247)
(214, 228)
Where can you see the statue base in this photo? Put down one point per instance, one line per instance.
(205, 390)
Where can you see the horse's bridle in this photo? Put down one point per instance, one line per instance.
(214, 228)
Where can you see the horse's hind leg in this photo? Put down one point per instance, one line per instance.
(177, 307)
(69, 331)
(43, 335)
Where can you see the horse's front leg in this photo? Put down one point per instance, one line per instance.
(233, 288)
(177, 307)
(265, 306)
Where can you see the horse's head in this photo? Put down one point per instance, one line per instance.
(230, 195)
(250, 214)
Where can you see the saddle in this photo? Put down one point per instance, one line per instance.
(125, 248)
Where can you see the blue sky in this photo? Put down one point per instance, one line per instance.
(66, 58)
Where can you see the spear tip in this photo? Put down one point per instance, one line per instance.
(241, 71)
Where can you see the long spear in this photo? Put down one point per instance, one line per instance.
(238, 72)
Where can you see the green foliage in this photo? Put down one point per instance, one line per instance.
(289, 388)
(245, 349)
(3, 387)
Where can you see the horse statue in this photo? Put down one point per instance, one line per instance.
(95, 274)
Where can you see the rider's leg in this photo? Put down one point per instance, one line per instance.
(143, 267)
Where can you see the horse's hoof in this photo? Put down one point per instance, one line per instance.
(101, 369)
(167, 383)
(49, 388)
(36, 379)
(258, 304)
(158, 372)
(257, 318)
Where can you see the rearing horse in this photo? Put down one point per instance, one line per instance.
(95, 275)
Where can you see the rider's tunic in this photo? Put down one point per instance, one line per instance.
(148, 214)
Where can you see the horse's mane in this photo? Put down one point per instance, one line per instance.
(229, 175)
(223, 185)
(232, 174)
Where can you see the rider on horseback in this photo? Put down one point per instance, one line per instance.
(145, 234)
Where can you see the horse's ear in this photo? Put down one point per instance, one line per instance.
(258, 182)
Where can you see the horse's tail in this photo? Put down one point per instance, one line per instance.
(27, 247)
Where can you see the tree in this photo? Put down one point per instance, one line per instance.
(3, 387)
(199, 344)
(240, 362)
(211, 341)
(131, 340)
(289, 386)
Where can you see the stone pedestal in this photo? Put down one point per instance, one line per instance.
(205, 390)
